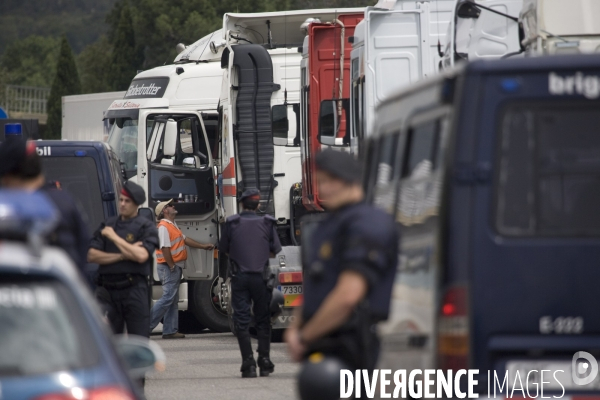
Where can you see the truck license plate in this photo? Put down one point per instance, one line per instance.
(290, 289)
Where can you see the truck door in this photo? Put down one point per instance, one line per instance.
(180, 167)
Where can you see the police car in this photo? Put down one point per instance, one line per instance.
(492, 171)
(54, 343)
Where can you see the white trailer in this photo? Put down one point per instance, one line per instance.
(83, 114)
(561, 27)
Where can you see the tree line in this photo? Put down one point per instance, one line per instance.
(140, 34)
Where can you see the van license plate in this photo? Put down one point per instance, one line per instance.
(290, 289)
(554, 372)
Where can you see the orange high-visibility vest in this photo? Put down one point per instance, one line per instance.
(178, 249)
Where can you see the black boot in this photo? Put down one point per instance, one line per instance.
(265, 365)
(243, 337)
(248, 368)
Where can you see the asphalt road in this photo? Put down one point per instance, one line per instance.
(207, 365)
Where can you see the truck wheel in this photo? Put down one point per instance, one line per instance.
(230, 312)
(207, 308)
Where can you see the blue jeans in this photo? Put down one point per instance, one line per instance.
(166, 306)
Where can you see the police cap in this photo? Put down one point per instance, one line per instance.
(13, 152)
(134, 192)
(340, 165)
(252, 192)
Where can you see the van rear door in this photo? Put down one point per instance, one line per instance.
(79, 171)
(536, 230)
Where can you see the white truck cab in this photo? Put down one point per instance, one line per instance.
(483, 29)
(394, 45)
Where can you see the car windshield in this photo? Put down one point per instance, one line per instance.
(42, 330)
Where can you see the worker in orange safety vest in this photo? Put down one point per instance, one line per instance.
(170, 258)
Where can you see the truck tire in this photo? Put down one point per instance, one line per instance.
(204, 308)
(230, 315)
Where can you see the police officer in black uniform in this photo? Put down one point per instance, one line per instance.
(250, 240)
(349, 257)
(124, 247)
(21, 169)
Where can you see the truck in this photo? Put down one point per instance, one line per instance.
(83, 116)
(483, 29)
(394, 45)
(560, 27)
(325, 73)
(180, 133)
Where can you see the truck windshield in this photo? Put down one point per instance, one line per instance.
(123, 139)
(548, 181)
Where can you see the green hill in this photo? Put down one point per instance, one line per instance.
(83, 21)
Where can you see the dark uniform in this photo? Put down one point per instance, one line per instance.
(248, 239)
(123, 289)
(356, 237)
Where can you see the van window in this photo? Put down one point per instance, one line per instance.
(386, 169)
(548, 180)
(78, 176)
(422, 142)
(420, 186)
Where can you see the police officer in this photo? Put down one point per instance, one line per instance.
(250, 240)
(124, 246)
(21, 168)
(349, 257)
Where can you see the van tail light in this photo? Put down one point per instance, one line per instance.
(453, 330)
(103, 393)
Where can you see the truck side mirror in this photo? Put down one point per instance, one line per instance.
(170, 143)
(466, 9)
(329, 123)
(280, 125)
